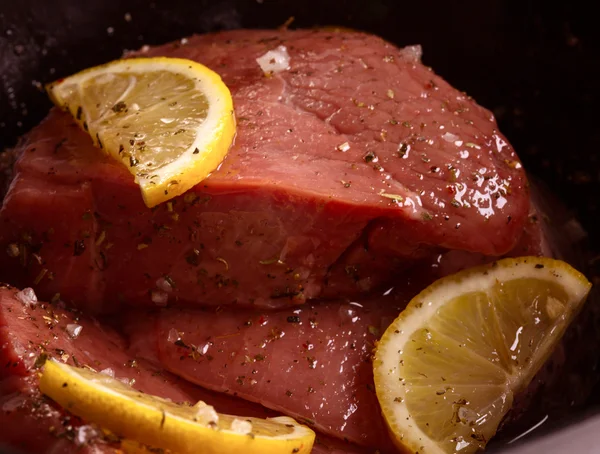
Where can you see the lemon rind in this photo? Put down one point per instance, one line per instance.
(84, 397)
(408, 436)
(213, 137)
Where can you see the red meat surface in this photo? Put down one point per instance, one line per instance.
(349, 167)
(30, 422)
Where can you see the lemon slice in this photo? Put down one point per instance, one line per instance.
(170, 121)
(447, 368)
(159, 423)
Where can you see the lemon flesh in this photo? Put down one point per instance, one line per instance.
(169, 121)
(152, 421)
(447, 369)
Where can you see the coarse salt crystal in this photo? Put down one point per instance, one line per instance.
(84, 434)
(275, 60)
(27, 296)
(344, 147)
(159, 297)
(241, 426)
(174, 335)
(164, 285)
(449, 137)
(108, 371)
(74, 330)
(206, 414)
(412, 53)
(13, 402)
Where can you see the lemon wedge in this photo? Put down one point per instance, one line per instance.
(159, 423)
(170, 121)
(447, 369)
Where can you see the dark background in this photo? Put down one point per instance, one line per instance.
(535, 64)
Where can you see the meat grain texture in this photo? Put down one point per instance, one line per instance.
(349, 167)
(32, 332)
